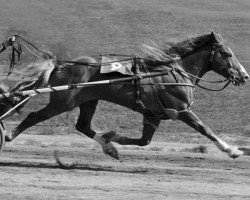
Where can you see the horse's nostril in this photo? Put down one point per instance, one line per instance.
(246, 77)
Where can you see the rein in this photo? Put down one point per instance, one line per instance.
(207, 81)
(215, 90)
(69, 61)
(18, 50)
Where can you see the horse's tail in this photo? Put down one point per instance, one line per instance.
(38, 72)
(44, 72)
(35, 75)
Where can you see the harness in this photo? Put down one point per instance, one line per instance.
(137, 63)
(167, 112)
(139, 104)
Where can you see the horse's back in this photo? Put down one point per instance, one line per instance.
(72, 73)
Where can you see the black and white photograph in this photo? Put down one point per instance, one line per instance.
(124, 100)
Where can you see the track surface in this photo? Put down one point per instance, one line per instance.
(28, 170)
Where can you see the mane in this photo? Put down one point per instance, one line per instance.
(170, 51)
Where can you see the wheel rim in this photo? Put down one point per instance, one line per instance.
(2, 137)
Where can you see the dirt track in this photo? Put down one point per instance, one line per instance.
(28, 170)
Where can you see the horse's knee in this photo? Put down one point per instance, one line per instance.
(202, 128)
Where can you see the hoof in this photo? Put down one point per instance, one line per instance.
(109, 135)
(234, 152)
(8, 137)
(110, 150)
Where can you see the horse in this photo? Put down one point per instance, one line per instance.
(197, 55)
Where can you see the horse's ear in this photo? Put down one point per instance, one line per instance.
(215, 37)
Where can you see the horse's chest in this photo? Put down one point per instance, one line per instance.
(157, 98)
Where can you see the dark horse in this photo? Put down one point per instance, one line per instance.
(198, 55)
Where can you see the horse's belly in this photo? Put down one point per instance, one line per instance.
(123, 95)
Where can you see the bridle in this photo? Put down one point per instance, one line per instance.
(232, 78)
(214, 49)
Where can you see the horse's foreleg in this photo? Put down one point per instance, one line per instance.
(149, 129)
(83, 125)
(192, 120)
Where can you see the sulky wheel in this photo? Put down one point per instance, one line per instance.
(2, 136)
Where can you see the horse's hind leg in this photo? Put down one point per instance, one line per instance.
(33, 118)
(87, 111)
(83, 125)
(192, 120)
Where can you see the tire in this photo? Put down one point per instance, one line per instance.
(2, 136)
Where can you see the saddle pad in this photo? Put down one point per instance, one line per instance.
(114, 64)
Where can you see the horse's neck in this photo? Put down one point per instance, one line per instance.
(196, 64)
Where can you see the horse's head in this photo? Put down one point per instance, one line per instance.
(224, 62)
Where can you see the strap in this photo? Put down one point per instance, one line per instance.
(168, 112)
(139, 104)
(214, 89)
(16, 52)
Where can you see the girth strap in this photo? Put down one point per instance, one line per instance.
(139, 104)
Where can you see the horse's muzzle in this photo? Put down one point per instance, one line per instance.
(239, 79)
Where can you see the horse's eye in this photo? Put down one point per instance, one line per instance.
(228, 54)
